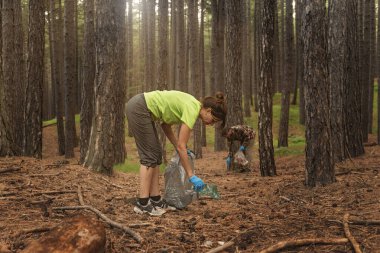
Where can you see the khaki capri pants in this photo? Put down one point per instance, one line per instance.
(143, 129)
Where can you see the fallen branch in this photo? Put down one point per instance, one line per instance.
(33, 230)
(365, 222)
(348, 234)
(359, 222)
(4, 170)
(45, 175)
(302, 242)
(112, 223)
(53, 192)
(113, 184)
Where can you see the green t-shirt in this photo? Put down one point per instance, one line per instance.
(173, 107)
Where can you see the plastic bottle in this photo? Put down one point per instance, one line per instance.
(211, 191)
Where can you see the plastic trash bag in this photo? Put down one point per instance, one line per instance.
(210, 190)
(240, 159)
(178, 190)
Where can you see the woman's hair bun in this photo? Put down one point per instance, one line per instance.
(219, 95)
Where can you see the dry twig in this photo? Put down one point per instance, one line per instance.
(112, 223)
(302, 242)
(348, 234)
(4, 170)
(113, 184)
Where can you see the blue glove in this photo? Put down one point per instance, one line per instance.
(189, 152)
(197, 182)
(242, 148)
(228, 162)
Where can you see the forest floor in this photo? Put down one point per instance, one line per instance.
(253, 213)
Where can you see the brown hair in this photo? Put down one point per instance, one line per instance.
(217, 105)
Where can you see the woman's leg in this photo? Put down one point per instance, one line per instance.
(154, 185)
(146, 180)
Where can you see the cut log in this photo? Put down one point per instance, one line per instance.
(79, 234)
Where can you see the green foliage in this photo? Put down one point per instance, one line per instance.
(54, 121)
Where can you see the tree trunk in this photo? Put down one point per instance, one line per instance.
(151, 53)
(246, 68)
(194, 69)
(288, 74)
(353, 139)
(130, 63)
(266, 151)
(180, 49)
(106, 146)
(11, 101)
(372, 63)
(56, 70)
(19, 71)
(163, 63)
(319, 157)
(300, 67)
(233, 64)
(80, 234)
(256, 55)
(337, 74)
(202, 72)
(217, 60)
(69, 77)
(35, 67)
(173, 44)
(87, 109)
(365, 71)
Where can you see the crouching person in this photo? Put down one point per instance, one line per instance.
(239, 138)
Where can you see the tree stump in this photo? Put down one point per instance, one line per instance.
(79, 234)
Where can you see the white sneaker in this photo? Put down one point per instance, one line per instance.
(162, 204)
(149, 209)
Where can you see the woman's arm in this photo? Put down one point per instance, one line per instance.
(180, 144)
(184, 135)
(169, 133)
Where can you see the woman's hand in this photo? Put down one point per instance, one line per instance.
(197, 182)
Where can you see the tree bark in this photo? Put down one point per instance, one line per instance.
(353, 139)
(35, 68)
(319, 164)
(337, 67)
(266, 151)
(107, 138)
(69, 77)
(233, 64)
(11, 101)
(288, 74)
(87, 108)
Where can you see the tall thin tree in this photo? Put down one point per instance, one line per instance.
(288, 74)
(217, 74)
(35, 70)
(233, 63)
(107, 138)
(319, 163)
(89, 59)
(163, 55)
(56, 70)
(266, 150)
(11, 100)
(69, 77)
(353, 140)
